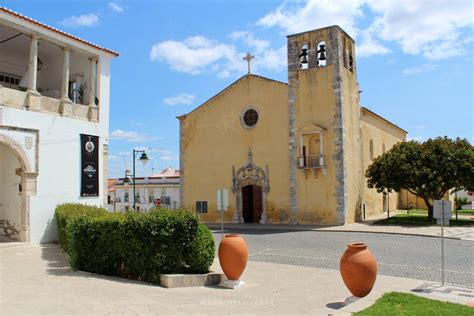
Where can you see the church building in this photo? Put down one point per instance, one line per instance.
(291, 152)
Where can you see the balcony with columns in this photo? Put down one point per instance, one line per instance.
(311, 147)
(37, 74)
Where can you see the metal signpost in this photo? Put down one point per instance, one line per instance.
(222, 205)
(441, 210)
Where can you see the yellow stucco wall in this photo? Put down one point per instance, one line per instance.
(315, 190)
(352, 149)
(383, 135)
(214, 141)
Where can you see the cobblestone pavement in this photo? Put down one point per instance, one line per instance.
(397, 255)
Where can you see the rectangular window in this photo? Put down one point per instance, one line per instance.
(151, 195)
(201, 206)
(166, 200)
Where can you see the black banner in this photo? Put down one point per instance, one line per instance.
(89, 165)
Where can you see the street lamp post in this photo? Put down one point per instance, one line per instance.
(144, 159)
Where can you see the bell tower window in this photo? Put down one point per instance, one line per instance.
(321, 54)
(304, 57)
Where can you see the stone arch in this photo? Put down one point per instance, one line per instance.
(28, 176)
(249, 174)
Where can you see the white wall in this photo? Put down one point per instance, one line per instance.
(60, 158)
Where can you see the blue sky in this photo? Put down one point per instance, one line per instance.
(415, 60)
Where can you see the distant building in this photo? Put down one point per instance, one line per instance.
(54, 125)
(291, 152)
(111, 194)
(160, 189)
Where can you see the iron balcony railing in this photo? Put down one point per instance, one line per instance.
(311, 161)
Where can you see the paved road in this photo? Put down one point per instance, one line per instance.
(397, 255)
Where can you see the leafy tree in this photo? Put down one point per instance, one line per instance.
(459, 202)
(429, 169)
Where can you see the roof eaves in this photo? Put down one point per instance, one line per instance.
(53, 29)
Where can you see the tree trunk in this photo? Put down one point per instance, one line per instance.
(430, 209)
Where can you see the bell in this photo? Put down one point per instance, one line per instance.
(304, 54)
(321, 51)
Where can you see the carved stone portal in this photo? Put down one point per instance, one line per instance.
(250, 174)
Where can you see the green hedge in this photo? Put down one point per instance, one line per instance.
(138, 245)
(65, 212)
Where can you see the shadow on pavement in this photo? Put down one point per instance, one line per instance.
(262, 229)
(335, 305)
(57, 265)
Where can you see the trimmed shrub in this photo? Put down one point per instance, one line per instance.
(95, 243)
(202, 252)
(65, 212)
(138, 245)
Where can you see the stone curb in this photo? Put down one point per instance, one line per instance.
(190, 280)
(217, 226)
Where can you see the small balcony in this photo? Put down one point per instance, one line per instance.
(311, 162)
(42, 75)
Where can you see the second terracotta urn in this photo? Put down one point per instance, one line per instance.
(358, 269)
(233, 256)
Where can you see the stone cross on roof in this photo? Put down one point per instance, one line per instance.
(248, 58)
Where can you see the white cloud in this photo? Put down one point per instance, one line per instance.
(259, 45)
(435, 29)
(315, 14)
(370, 46)
(164, 154)
(238, 35)
(195, 53)
(131, 136)
(419, 69)
(180, 99)
(424, 27)
(81, 20)
(116, 7)
(199, 54)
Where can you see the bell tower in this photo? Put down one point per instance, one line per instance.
(324, 127)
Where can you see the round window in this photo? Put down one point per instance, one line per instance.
(250, 117)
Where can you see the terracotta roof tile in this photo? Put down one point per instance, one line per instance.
(53, 29)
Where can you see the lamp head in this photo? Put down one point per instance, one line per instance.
(143, 158)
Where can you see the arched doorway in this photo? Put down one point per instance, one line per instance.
(250, 185)
(10, 195)
(17, 183)
(252, 203)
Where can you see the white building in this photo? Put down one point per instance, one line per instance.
(162, 189)
(54, 122)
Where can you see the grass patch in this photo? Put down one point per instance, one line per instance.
(395, 303)
(466, 212)
(414, 219)
(425, 212)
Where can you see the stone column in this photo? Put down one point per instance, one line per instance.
(66, 103)
(92, 80)
(238, 218)
(93, 110)
(33, 102)
(293, 84)
(264, 217)
(33, 66)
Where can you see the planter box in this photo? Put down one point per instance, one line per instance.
(188, 280)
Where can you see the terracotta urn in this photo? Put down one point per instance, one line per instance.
(358, 268)
(233, 256)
